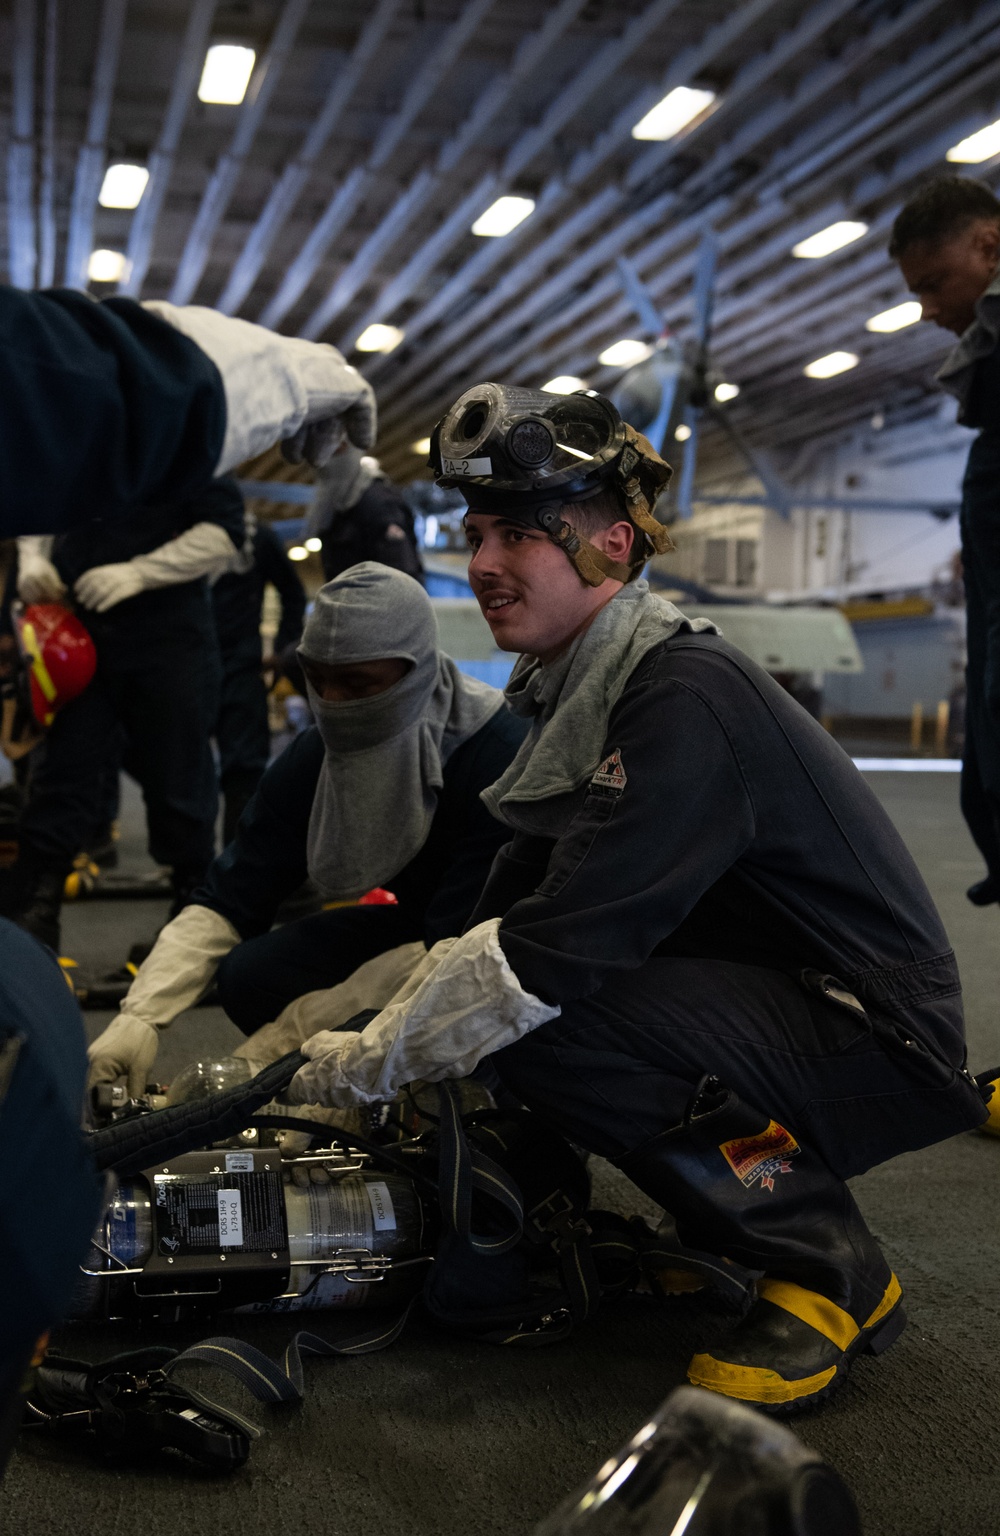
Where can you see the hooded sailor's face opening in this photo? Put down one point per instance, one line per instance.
(529, 591)
(343, 683)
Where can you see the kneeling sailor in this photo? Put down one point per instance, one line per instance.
(382, 791)
(706, 953)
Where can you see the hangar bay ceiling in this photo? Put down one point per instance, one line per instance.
(340, 193)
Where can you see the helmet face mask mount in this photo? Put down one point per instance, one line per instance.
(525, 455)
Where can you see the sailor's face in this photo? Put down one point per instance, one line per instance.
(341, 683)
(949, 276)
(529, 592)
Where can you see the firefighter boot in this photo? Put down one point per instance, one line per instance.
(739, 1184)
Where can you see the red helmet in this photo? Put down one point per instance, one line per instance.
(59, 657)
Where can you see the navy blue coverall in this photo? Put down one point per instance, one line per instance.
(981, 568)
(242, 735)
(674, 919)
(266, 862)
(378, 527)
(151, 705)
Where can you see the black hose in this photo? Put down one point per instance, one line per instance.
(137, 1143)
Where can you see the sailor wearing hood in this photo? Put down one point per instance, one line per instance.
(360, 515)
(382, 791)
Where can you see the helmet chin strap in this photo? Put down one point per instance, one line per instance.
(592, 565)
(642, 474)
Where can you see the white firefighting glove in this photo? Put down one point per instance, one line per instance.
(178, 971)
(204, 550)
(278, 388)
(377, 982)
(127, 1048)
(38, 581)
(468, 1005)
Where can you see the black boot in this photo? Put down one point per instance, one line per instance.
(984, 893)
(39, 901)
(739, 1184)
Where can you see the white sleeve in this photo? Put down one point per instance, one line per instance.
(276, 385)
(35, 546)
(468, 1005)
(374, 984)
(180, 967)
(203, 550)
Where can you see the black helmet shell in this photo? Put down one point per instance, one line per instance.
(500, 442)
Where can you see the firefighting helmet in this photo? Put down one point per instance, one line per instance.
(58, 654)
(524, 453)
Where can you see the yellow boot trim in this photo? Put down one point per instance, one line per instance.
(893, 1293)
(991, 1127)
(753, 1383)
(822, 1314)
(810, 1307)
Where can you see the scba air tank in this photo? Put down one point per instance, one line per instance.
(234, 1230)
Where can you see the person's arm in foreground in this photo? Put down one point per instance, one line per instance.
(108, 406)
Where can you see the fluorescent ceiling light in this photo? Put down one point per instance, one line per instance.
(825, 241)
(833, 363)
(297, 552)
(503, 215)
(978, 146)
(106, 266)
(314, 546)
(563, 384)
(622, 354)
(379, 338)
(226, 74)
(422, 446)
(123, 186)
(678, 108)
(682, 432)
(907, 313)
(724, 392)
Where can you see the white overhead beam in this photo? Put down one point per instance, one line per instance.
(222, 182)
(422, 87)
(925, 154)
(490, 104)
(161, 160)
(558, 194)
(293, 179)
(925, 67)
(530, 54)
(607, 292)
(22, 253)
(423, 261)
(47, 181)
(602, 296)
(405, 208)
(91, 158)
(581, 173)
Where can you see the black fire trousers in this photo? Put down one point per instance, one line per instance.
(621, 1066)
